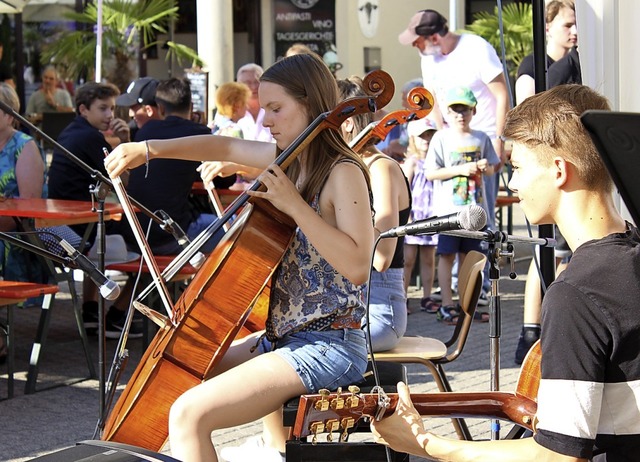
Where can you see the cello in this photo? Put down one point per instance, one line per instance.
(212, 310)
(421, 104)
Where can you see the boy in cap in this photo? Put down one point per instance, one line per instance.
(458, 160)
(140, 98)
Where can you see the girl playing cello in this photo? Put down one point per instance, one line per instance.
(313, 338)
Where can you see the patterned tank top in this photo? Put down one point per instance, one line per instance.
(307, 293)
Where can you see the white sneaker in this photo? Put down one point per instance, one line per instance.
(483, 300)
(252, 450)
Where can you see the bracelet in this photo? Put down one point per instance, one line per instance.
(146, 162)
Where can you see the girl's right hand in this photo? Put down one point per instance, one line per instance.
(125, 156)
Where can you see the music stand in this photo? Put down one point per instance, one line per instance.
(615, 135)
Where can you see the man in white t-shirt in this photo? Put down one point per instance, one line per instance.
(451, 60)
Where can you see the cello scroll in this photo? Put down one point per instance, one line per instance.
(419, 99)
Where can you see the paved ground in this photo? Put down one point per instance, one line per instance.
(65, 408)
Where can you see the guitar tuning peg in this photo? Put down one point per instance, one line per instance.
(338, 402)
(353, 400)
(323, 403)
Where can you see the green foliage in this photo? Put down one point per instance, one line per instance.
(517, 19)
(126, 25)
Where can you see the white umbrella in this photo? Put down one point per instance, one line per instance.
(99, 43)
(12, 6)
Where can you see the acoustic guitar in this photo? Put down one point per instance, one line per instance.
(328, 412)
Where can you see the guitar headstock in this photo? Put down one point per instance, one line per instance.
(331, 412)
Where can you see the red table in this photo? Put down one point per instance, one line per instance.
(55, 212)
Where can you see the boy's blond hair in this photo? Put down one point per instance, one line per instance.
(550, 120)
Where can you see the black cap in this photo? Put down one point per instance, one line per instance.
(140, 91)
(424, 23)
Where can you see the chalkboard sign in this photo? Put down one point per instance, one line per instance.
(199, 82)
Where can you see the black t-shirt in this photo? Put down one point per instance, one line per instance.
(588, 396)
(67, 179)
(564, 71)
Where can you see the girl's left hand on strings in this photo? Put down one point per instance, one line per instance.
(280, 191)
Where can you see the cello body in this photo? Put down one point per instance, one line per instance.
(213, 310)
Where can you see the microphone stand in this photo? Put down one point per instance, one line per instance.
(500, 245)
(99, 193)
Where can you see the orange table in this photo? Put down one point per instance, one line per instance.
(55, 212)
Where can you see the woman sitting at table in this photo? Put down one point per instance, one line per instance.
(22, 174)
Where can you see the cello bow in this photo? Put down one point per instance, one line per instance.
(420, 101)
(213, 308)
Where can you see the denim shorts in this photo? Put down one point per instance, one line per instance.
(199, 225)
(387, 309)
(323, 359)
(448, 245)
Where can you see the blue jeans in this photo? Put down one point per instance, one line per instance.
(199, 225)
(323, 359)
(387, 308)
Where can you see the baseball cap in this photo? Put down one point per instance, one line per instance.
(140, 91)
(419, 126)
(424, 23)
(461, 95)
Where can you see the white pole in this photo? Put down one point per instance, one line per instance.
(99, 43)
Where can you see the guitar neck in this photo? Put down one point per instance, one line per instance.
(490, 405)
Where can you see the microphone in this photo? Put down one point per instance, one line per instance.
(108, 289)
(472, 218)
(179, 235)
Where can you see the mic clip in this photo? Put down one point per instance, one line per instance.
(173, 228)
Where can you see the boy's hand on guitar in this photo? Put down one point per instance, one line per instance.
(403, 430)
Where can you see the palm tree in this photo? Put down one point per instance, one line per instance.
(126, 26)
(517, 19)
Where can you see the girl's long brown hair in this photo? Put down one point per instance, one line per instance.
(307, 79)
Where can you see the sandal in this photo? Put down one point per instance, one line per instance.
(478, 316)
(447, 313)
(429, 306)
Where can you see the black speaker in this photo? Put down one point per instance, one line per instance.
(104, 451)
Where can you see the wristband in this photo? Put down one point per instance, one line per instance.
(146, 162)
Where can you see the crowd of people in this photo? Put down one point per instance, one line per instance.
(341, 201)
